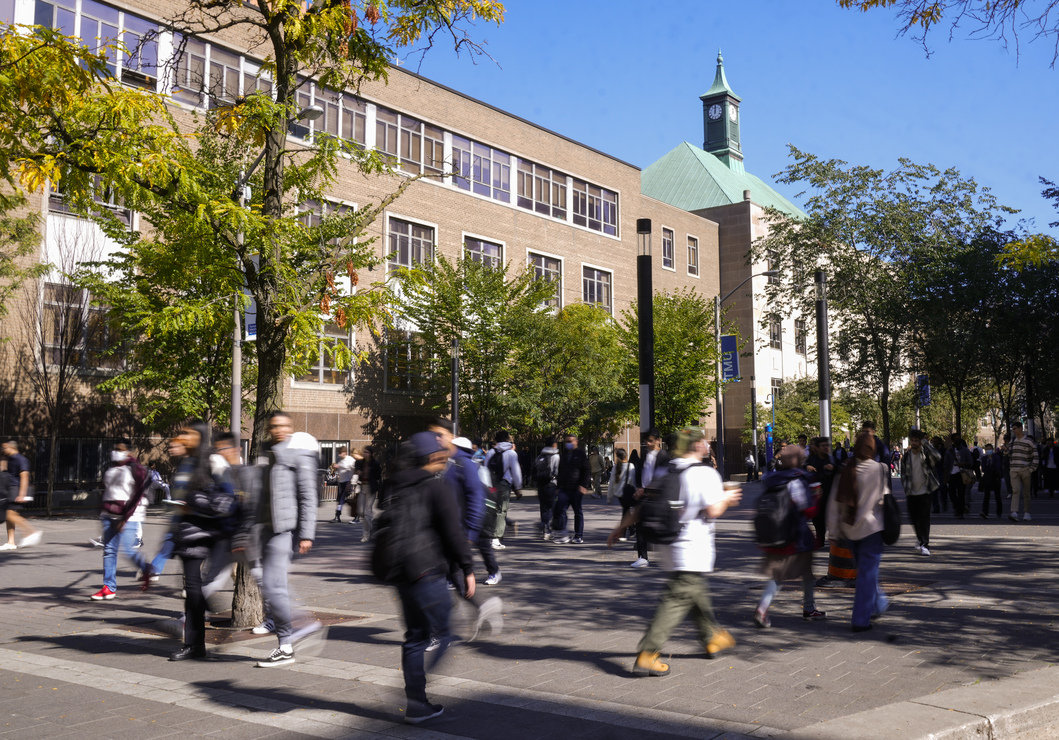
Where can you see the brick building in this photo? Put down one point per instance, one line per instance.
(518, 193)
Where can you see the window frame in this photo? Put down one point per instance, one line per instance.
(79, 303)
(558, 306)
(598, 268)
(801, 337)
(494, 262)
(390, 218)
(409, 339)
(775, 333)
(672, 266)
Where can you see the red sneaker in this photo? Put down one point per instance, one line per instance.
(104, 594)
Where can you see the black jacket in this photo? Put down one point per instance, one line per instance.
(573, 470)
(210, 516)
(661, 463)
(440, 539)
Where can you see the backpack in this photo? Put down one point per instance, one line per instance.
(776, 519)
(496, 467)
(542, 469)
(662, 508)
(399, 532)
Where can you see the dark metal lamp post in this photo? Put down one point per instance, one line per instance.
(823, 363)
(646, 324)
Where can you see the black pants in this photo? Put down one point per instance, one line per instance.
(919, 516)
(991, 484)
(957, 493)
(546, 498)
(194, 604)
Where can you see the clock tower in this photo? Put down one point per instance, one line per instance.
(720, 120)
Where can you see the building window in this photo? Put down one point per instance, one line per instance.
(668, 260)
(550, 269)
(78, 334)
(329, 451)
(541, 190)
(324, 369)
(693, 256)
(799, 336)
(354, 120)
(775, 334)
(596, 288)
(773, 260)
(386, 133)
(410, 244)
(103, 198)
(406, 363)
(99, 25)
(479, 250)
(595, 208)
(433, 149)
(482, 169)
(777, 384)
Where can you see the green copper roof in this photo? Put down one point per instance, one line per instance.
(691, 179)
(720, 82)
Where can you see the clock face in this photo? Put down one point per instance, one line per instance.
(714, 112)
(733, 113)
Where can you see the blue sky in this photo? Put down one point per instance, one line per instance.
(624, 77)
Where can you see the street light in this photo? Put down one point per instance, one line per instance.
(646, 324)
(770, 399)
(823, 371)
(717, 301)
(311, 113)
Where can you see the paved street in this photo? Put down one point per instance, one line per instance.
(978, 611)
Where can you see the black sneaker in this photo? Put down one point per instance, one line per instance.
(277, 657)
(417, 712)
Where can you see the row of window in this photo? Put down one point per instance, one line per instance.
(669, 252)
(206, 75)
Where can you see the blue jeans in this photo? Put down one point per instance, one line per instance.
(113, 538)
(565, 500)
(426, 604)
(868, 599)
(165, 552)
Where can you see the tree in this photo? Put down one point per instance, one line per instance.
(19, 238)
(685, 358)
(1005, 20)
(569, 373)
(798, 412)
(489, 310)
(61, 337)
(863, 227)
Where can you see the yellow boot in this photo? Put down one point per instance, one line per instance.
(721, 640)
(648, 664)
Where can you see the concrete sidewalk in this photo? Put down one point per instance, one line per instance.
(964, 651)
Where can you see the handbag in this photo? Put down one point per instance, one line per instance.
(966, 477)
(891, 518)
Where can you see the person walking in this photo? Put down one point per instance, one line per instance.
(689, 558)
(992, 472)
(573, 478)
(1022, 462)
(654, 464)
(855, 513)
(369, 478)
(794, 559)
(958, 466)
(286, 519)
(425, 503)
(507, 478)
(344, 468)
(125, 486)
(11, 499)
(919, 481)
(596, 467)
(206, 518)
(822, 467)
(622, 481)
(1050, 466)
(545, 472)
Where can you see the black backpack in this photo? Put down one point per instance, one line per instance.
(542, 469)
(662, 508)
(496, 467)
(399, 534)
(776, 518)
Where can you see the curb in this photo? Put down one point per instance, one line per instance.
(1021, 707)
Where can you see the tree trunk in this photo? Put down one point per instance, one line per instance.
(247, 607)
(884, 404)
(53, 465)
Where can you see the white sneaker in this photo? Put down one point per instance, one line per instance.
(548, 536)
(639, 563)
(923, 549)
(265, 628)
(491, 613)
(1025, 517)
(435, 643)
(96, 543)
(34, 539)
(498, 545)
(562, 538)
(493, 579)
(8, 546)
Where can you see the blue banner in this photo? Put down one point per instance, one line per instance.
(923, 389)
(768, 443)
(729, 358)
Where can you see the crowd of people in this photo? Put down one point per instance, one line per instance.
(444, 497)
